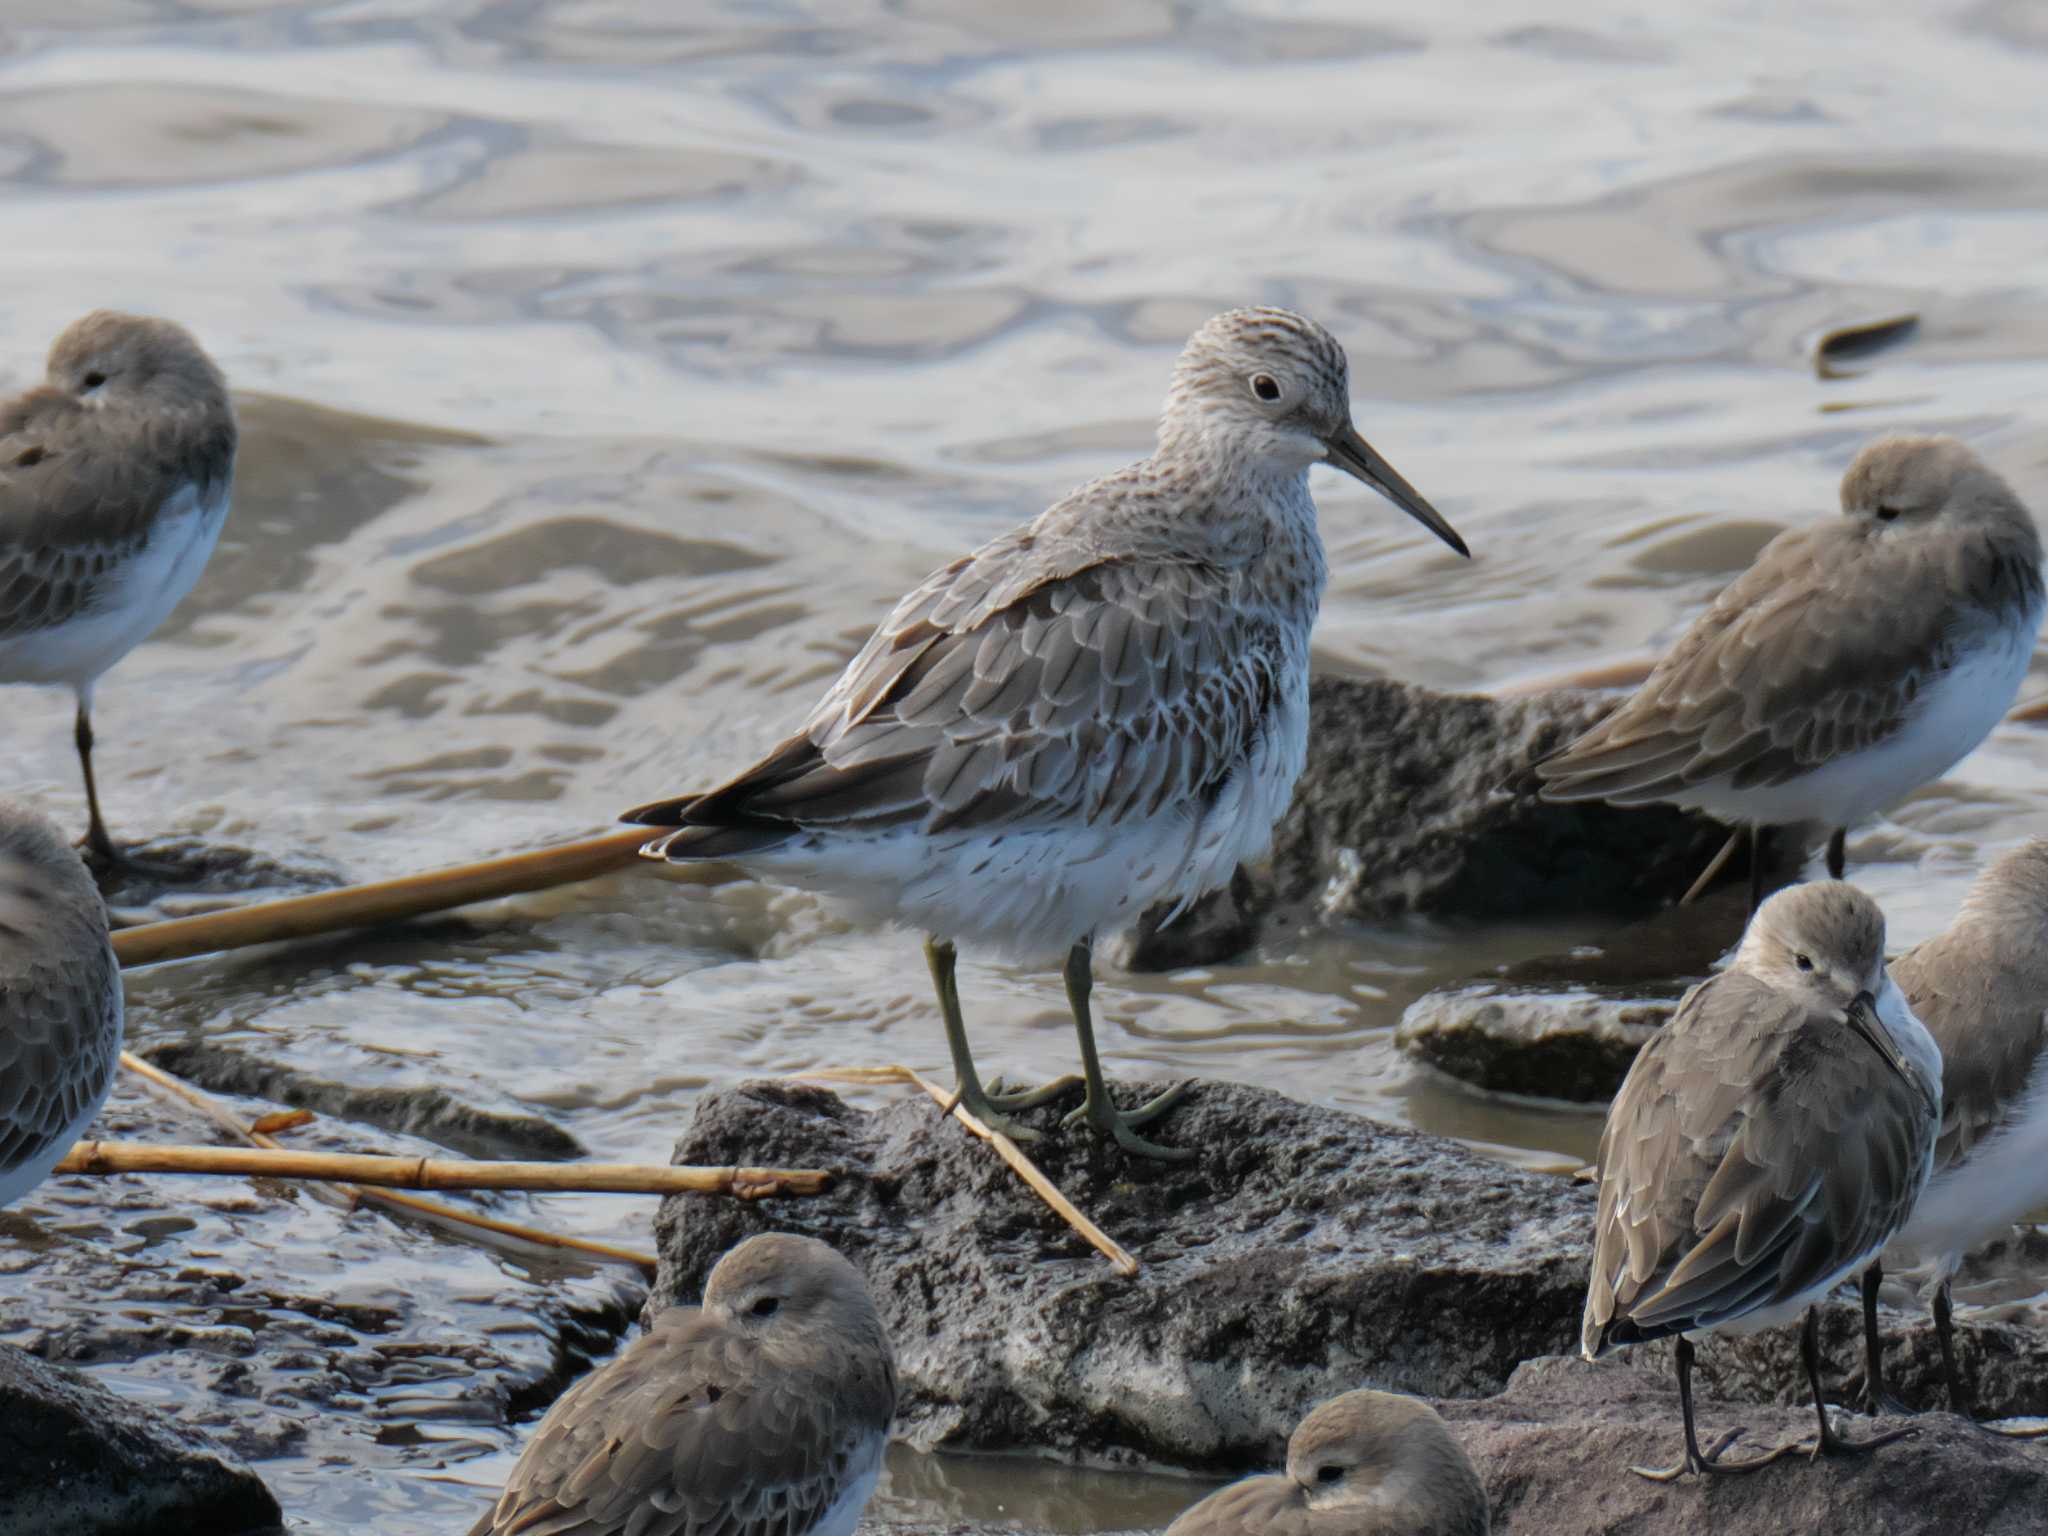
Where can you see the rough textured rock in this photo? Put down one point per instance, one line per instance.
(1575, 1044)
(1553, 1451)
(417, 1110)
(76, 1458)
(1304, 1246)
(1416, 802)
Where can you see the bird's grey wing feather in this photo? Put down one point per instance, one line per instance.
(78, 491)
(687, 1434)
(1254, 1506)
(1753, 1149)
(1784, 671)
(1115, 688)
(1991, 1043)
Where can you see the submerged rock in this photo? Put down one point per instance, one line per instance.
(75, 1458)
(1554, 1448)
(1421, 803)
(1574, 1045)
(1304, 1251)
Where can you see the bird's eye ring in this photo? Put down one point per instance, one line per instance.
(1804, 962)
(1265, 386)
(1887, 514)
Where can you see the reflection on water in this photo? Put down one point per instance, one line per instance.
(606, 369)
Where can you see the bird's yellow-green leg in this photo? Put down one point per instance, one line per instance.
(1099, 1110)
(988, 1108)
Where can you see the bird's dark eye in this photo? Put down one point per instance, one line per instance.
(1887, 514)
(1329, 1474)
(1804, 962)
(766, 1306)
(1265, 386)
(95, 379)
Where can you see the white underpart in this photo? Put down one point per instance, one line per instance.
(1924, 1055)
(844, 1512)
(2002, 1180)
(136, 597)
(1953, 713)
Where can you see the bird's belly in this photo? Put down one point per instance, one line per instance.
(137, 596)
(1955, 712)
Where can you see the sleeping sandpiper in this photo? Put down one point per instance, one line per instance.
(1854, 661)
(1765, 1146)
(115, 474)
(1364, 1464)
(60, 1000)
(765, 1410)
(1981, 988)
(1101, 709)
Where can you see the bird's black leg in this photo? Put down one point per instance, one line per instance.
(1838, 853)
(1875, 1399)
(1694, 1461)
(1829, 1443)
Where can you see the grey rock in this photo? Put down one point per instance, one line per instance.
(1554, 1449)
(75, 1458)
(406, 1109)
(1304, 1248)
(1421, 803)
(1574, 1045)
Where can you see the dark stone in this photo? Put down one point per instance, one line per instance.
(1554, 1449)
(1421, 803)
(414, 1110)
(1304, 1246)
(176, 875)
(1575, 1045)
(77, 1459)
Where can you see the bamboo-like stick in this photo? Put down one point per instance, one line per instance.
(419, 1205)
(443, 1173)
(385, 901)
(1006, 1149)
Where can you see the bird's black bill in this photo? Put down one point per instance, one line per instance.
(1863, 1018)
(1355, 456)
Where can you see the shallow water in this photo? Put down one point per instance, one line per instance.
(604, 377)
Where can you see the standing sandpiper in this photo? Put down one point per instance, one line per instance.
(60, 1000)
(1765, 1146)
(1854, 661)
(1364, 1464)
(114, 481)
(765, 1411)
(1981, 987)
(1101, 709)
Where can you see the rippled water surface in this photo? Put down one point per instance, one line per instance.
(607, 368)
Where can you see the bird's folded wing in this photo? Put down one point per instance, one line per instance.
(1108, 691)
(1790, 667)
(1991, 1044)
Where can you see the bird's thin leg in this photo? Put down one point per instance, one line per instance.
(940, 955)
(1694, 1461)
(1829, 1443)
(1756, 867)
(1945, 1330)
(1098, 1109)
(1838, 853)
(1875, 1399)
(96, 837)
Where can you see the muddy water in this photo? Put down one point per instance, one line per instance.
(606, 369)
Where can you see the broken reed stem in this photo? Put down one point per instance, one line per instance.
(419, 1205)
(1006, 1149)
(443, 1173)
(385, 901)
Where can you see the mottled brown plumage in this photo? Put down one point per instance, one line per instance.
(1364, 1464)
(1815, 688)
(60, 1000)
(763, 1413)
